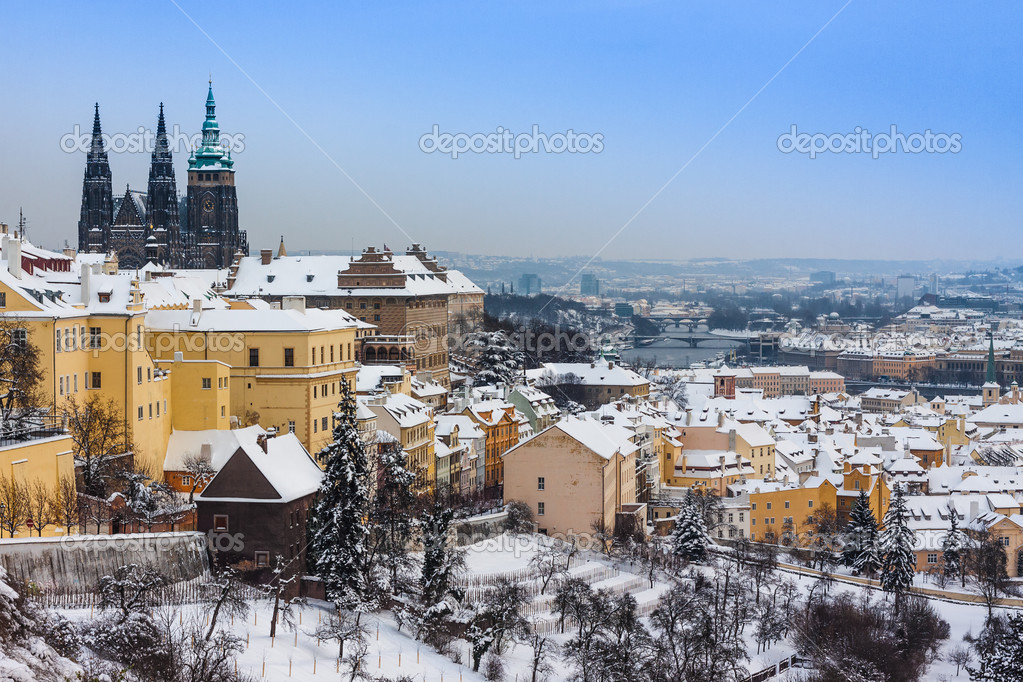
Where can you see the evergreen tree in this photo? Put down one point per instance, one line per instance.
(390, 516)
(861, 550)
(952, 547)
(339, 534)
(896, 546)
(1002, 659)
(437, 591)
(689, 539)
(497, 357)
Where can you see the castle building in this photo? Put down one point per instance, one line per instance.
(199, 230)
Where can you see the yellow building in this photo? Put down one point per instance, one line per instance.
(779, 505)
(412, 423)
(169, 352)
(286, 365)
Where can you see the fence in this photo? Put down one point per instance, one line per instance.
(778, 668)
(176, 594)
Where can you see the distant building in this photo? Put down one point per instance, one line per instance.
(589, 285)
(826, 277)
(529, 284)
(904, 286)
(625, 309)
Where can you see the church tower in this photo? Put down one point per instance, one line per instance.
(213, 233)
(991, 391)
(162, 198)
(97, 195)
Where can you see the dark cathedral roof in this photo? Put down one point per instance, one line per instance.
(133, 212)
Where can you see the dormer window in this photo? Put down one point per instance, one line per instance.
(104, 297)
(270, 278)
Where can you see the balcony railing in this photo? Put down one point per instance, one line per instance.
(33, 428)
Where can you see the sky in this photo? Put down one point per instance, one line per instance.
(686, 101)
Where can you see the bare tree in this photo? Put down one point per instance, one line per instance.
(200, 468)
(551, 563)
(65, 504)
(20, 376)
(226, 597)
(277, 588)
(14, 505)
(961, 656)
(100, 436)
(40, 506)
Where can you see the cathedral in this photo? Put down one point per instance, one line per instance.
(199, 230)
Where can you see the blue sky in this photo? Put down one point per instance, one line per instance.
(364, 81)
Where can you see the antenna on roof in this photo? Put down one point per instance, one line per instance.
(21, 223)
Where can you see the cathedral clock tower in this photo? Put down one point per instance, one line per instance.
(213, 234)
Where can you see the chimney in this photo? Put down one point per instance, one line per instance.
(86, 280)
(293, 303)
(265, 256)
(206, 451)
(261, 441)
(12, 250)
(197, 306)
(974, 509)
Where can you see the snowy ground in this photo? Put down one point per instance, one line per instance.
(296, 654)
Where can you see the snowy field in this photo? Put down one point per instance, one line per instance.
(297, 654)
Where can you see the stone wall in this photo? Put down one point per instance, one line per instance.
(75, 563)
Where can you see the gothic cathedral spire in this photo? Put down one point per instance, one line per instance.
(97, 193)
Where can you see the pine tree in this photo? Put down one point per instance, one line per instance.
(390, 516)
(339, 537)
(441, 564)
(897, 540)
(952, 547)
(689, 540)
(861, 548)
(1003, 661)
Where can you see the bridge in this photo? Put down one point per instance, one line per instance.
(694, 338)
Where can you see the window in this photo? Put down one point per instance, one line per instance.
(1003, 541)
(262, 559)
(540, 509)
(376, 318)
(856, 485)
(769, 506)
(157, 408)
(810, 504)
(94, 337)
(291, 426)
(139, 373)
(932, 558)
(742, 516)
(3, 299)
(786, 504)
(96, 380)
(752, 522)
(62, 385)
(58, 344)
(253, 357)
(76, 382)
(223, 411)
(150, 410)
(220, 522)
(314, 426)
(753, 506)
(207, 383)
(289, 357)
(19, 337)
(141, 412)
(323, 424)
(539, 483)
